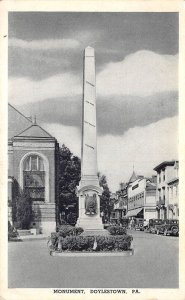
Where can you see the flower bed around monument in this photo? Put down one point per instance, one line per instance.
(117, 243)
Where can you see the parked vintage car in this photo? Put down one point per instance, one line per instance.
(152, 225)
(139, 224)
(169, 227)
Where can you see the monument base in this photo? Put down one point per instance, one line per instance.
(92, 225)
(89, 232)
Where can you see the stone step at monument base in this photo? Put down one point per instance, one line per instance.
(90, 223)
(24, 232)
(90, 232)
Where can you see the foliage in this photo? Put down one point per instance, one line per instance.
(67, 230)
(86, 243)
(105, 201)
(117, 230)
(24, 212)
(69, 177)
(12, 232)
(53, 241)
(16, 195)
(71, 218)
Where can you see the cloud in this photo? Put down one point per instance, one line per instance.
(24, 90)
(45, 44)
(142, 73)
(38, 65)
(115, 115)
(145, 147)
(68, 135)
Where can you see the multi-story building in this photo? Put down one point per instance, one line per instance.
(167, 190)
(142, 198)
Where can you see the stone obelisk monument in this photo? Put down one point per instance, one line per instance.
(89, 190)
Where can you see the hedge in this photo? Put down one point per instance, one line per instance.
(67, 230)
(90, 243)
(117, 230)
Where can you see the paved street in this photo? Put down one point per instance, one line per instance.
(154, 265)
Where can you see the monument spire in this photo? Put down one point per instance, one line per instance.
(89, 131)
(89, 190)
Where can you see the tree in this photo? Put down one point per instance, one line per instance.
(24, 213)
(105, 201)
(69, 177)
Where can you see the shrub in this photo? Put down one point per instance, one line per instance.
(68, 230)
(24, 213)
(86, 243)
(117, 230)
(78, 230)
(12, 232)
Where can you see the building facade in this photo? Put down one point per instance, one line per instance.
(120, 205)
(142, 198)
(32, 167)
(167, 190)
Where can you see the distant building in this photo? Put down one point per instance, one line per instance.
(121, 199)
(142, 198)
(133, 177)
(32, 166)
(113, 215)
(120, 205)
(167, 190)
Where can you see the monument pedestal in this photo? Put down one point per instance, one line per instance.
(90, 222)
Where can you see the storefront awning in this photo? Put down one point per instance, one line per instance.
(133, 212)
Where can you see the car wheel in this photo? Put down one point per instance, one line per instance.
(174, 230)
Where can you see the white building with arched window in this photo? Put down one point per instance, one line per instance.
(32, 159)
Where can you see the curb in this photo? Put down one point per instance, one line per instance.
(92, 254)
(28, 238)
(34, 239)
(14, 240)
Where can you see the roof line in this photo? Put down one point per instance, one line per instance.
(32, 126)
(24, 130)
(165, 163)
(30, 122)
(20, 112)
(44, 130)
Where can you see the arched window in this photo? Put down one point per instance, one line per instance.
(34, 177)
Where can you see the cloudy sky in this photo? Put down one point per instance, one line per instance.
(136, 83)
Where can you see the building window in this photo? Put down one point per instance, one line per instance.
(163, 175)
(33, 163)
(34, 177)
(159, 177)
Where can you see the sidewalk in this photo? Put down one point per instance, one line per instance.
(34, 237)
